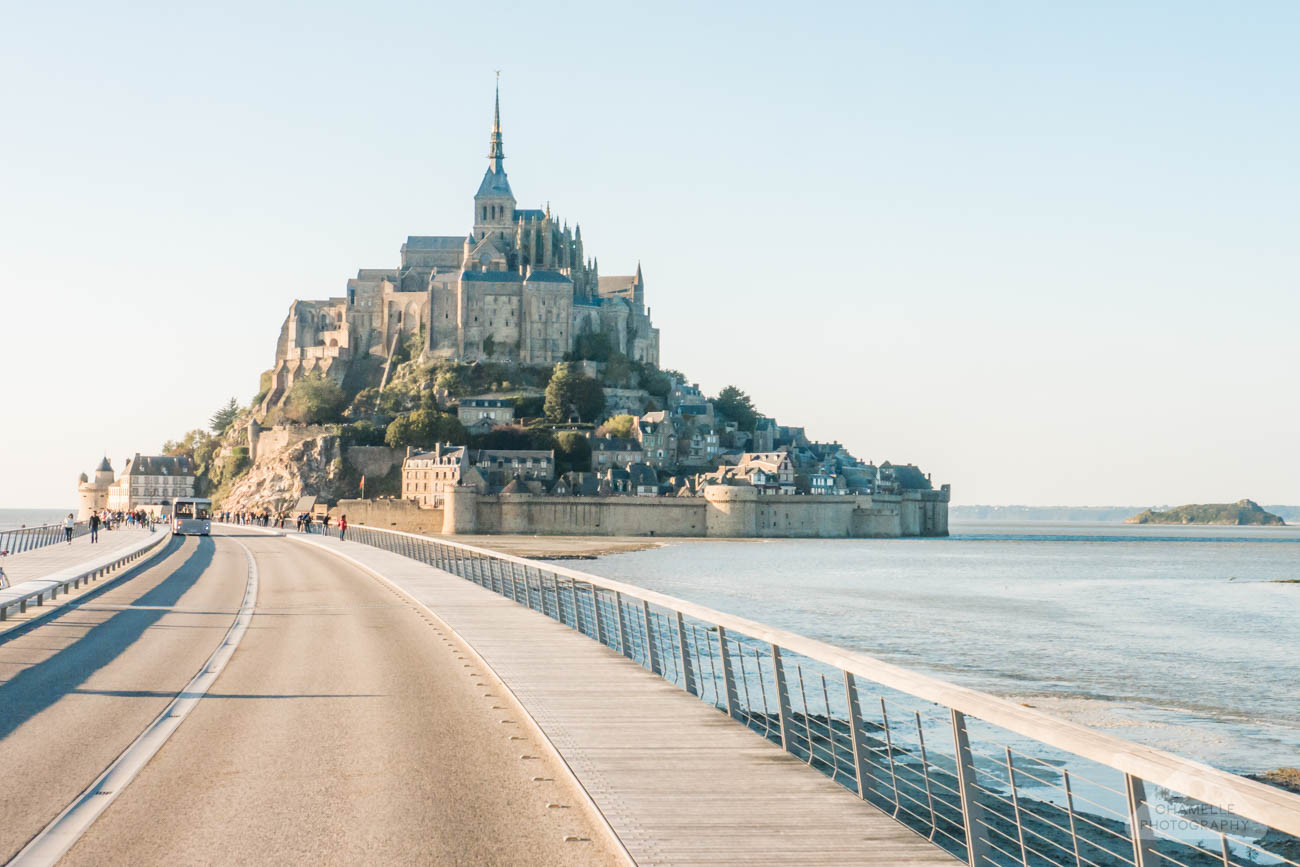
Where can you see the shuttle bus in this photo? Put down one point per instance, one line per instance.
(191, 516)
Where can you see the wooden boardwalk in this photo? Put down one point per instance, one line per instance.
(678, 781)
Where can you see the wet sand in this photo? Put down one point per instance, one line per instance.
(566, 547)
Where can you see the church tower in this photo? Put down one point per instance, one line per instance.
(494, 203)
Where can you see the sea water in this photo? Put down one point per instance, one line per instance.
(13, 518)
(1183, 638)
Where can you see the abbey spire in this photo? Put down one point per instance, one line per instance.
(495, 151)
(494, 203)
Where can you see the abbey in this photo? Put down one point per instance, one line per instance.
(518, 287)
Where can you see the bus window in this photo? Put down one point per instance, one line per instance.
(204, 513)
(184, 510)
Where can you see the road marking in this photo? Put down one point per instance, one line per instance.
(59, 836)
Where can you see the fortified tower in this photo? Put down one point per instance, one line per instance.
(93, 496)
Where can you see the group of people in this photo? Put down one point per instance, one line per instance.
(263, 518)
(104, 519)
(306, 522)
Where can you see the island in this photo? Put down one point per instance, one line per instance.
(1241, 513)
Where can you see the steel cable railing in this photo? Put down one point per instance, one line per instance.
(987, 780)
(20, 539)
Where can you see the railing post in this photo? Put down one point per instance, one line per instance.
(784, 711)
(855, 732)
(652, 651)
(573, 598)
(728, 676)
(624, 646)
(1139, 820)
(1069, 806)
(689, 680)
(595, 608)
(555, 592)
(514, 584)
(1015, 805)
(972, 811)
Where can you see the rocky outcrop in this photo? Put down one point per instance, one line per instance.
(275, 482)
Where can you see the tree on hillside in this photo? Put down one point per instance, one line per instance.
(199, 446)
(572, 453)
(224, 417)
(424, 428)
(569, 393)
(592, 346)
(453, 381)
(313, 399)
(737, 406)
(656, 382)
(618, 426)
(513, 436)
(619, 371)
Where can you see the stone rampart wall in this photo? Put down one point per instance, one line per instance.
(401, 515)
(723, 512)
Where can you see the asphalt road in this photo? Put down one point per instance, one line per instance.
(346, 729)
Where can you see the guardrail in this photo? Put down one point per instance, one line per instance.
(39, 589)
(986, 779)
(21, 539)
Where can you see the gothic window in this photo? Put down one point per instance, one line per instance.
(485, 212)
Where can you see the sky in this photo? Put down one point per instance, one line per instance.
(1047, 252)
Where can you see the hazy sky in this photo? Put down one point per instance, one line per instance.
(1047, 253)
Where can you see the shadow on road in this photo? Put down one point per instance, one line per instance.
(34, 689)
(149, 693)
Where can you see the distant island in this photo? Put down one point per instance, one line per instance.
(1240, 513)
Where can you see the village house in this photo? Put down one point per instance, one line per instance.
(152, 483)
(478, 413)
(657, 433)
(611, 451)
(427, 476)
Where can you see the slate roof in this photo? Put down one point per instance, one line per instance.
(538, 276)
(614, 444)
(159, 465)
(530, 214)
(494, 184)
(488, 402)
(104, 466)
(491, 277)
(435, 242)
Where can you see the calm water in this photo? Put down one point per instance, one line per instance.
(1172, 636)
(10, 518)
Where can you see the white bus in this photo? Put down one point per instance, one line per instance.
(191, 516)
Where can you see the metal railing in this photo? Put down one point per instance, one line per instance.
(21, 539)
(988, 780)
(39, 589)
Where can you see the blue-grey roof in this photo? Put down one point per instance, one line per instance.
(494, 184)
(435, 242)
(530, 215)
(104, 466)
(481, 401)
(490, 276)
(547, 277)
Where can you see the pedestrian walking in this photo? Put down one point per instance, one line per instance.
(94, 527)
(68, 524)
(343, 526)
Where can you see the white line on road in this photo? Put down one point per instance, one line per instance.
(59, 836)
